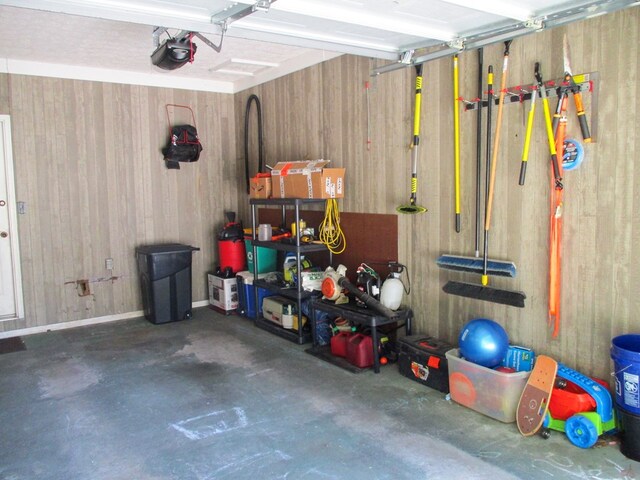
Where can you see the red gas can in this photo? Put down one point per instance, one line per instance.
(360, 350)
(339, 344)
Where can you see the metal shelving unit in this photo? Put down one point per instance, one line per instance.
(360, 316)
(297, 293)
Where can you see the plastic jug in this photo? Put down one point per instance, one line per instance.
(392, 290)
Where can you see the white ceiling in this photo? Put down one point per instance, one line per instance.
(111, 40)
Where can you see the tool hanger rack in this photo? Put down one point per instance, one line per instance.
(585, 83)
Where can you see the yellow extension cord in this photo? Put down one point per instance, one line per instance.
(330, 232)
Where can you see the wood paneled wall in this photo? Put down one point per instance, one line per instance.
(88, 165)
(321, 112)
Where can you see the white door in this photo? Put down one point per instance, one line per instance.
(11, 305)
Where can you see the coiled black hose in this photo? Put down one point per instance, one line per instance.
(253, 98)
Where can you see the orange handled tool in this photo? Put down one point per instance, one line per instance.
(570, 84)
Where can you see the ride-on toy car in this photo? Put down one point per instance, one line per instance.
(580, 407)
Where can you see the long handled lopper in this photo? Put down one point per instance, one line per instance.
(555, 220)
(556, 217)
(412, 206)
(484, 292)
(527, 137)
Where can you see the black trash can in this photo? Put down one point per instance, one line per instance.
(165, 281)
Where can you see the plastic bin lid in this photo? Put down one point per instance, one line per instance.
(165, 248)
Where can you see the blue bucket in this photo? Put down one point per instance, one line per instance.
(625, 353)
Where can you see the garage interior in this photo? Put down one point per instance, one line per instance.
(90, 389)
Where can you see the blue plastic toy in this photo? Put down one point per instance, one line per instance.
(484, 342)
(583, 428)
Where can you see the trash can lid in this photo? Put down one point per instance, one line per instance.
(165, 248)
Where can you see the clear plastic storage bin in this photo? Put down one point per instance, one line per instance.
(490, 392)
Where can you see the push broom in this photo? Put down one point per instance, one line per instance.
(484, 292)
(413, 207)
(476, 264)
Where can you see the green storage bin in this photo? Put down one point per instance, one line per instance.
(267, 258)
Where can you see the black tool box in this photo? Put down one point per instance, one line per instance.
(423, 359)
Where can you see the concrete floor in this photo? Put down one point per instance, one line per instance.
(215, 398)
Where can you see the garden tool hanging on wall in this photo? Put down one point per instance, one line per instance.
(484, 291)
(477, 264)
(555, 221)
(412, 206)
(559, 127)
(456, 141)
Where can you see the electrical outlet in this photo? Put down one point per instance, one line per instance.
(108, 263)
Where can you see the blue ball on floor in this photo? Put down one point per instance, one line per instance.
(484, 342)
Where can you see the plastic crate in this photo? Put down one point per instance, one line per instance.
(490, 392)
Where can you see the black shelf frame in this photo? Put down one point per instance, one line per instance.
(297, 294)
(361, 316)
(296, 336)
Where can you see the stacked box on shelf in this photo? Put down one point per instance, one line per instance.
(281, 311)
(307, 179)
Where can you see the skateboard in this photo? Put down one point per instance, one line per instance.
(534, 401)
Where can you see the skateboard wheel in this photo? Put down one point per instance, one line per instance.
(560, 383)
(545, 433)
(581, 431)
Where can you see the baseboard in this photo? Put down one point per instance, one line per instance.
(83, 322)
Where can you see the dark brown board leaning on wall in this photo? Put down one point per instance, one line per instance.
(371, 238)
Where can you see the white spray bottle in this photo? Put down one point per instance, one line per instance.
(393, 288)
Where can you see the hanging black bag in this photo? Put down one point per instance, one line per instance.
(184, 144)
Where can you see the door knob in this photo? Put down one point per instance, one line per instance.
(2, 203)
(4, 234)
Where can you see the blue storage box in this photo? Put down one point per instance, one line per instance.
(246, 294)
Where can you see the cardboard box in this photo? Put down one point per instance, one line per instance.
(307, 179)
(223, 293)
(260, 186)
(519, 358)
(281, 311)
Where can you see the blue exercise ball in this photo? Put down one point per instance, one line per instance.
(484, 342)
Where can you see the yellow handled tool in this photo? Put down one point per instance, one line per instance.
(456, 139)
(413, 207)
(527, 138)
